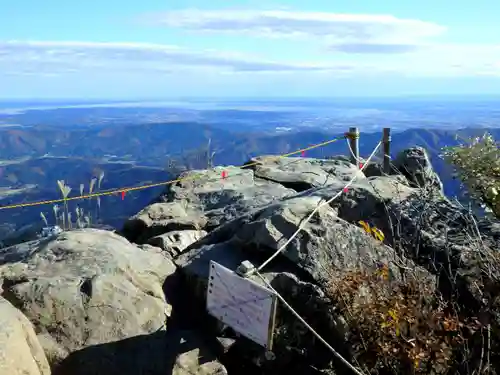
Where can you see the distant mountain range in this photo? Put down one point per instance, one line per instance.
(152, 144)
(32, 159)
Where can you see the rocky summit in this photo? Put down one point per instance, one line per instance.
(396, 277)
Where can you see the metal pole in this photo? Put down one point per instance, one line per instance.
(354, 143)
(386, 140)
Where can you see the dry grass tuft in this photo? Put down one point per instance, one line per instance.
(400, 326)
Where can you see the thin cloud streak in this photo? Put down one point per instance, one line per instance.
(139, 56)
(87, 58)
(330, 28)
(375, 48)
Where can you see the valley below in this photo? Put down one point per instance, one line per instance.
(132, 151)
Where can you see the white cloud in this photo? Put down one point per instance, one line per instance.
(344, 32)
(401, 50)
(71, 56)
(396, 45)
(48, 59)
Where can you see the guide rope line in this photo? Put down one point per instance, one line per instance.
(257, 270)
(311, 329)
(302, 225)
(164, 183)
(359, 159)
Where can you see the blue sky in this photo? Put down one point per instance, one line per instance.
(165, 49)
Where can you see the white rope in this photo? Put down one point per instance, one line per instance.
(282, 300)
(316, 334)
(359, 160)
(302, 225)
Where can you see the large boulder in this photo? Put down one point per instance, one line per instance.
(325, 250)
(367, 200)
(85, 288)
(20, 351)
(203, 200)
(306, 297)
(323, 244)
(415, 165)
(175, 242)
(224, 199)
(421, 224)
(161, 217)
(303, 173)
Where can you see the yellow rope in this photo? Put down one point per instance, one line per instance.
(164, 183)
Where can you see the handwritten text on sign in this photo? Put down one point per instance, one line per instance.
(242, 304)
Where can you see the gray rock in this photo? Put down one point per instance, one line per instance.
(223, 200)
(204, 201)
(303, 173)
(20, 350)
(195, 264)
(325, 245)
(256, 209)
(225, 344)
(160, 218)
(459, 250)
(177, 352)
(415, 165)
(367, 201)
(176, 242)
(89, 287)
(447, 240)
(196, 184)
(311, 302)
(150, 248)
(326, 248)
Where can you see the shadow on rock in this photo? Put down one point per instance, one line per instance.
(156, 353)
(178, 350)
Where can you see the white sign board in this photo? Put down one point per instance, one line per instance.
(242, 304)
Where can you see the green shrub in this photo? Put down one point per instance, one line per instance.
(478, 166)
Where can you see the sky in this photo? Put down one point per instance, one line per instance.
(324, 48)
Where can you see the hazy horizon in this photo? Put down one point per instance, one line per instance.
(471, 97)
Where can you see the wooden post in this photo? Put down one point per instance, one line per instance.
(354, 143)
(386, 141)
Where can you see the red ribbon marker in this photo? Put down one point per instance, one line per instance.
(345, 190)
(302, 153)
(361, 165)
(223, 174)
(123, 195)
